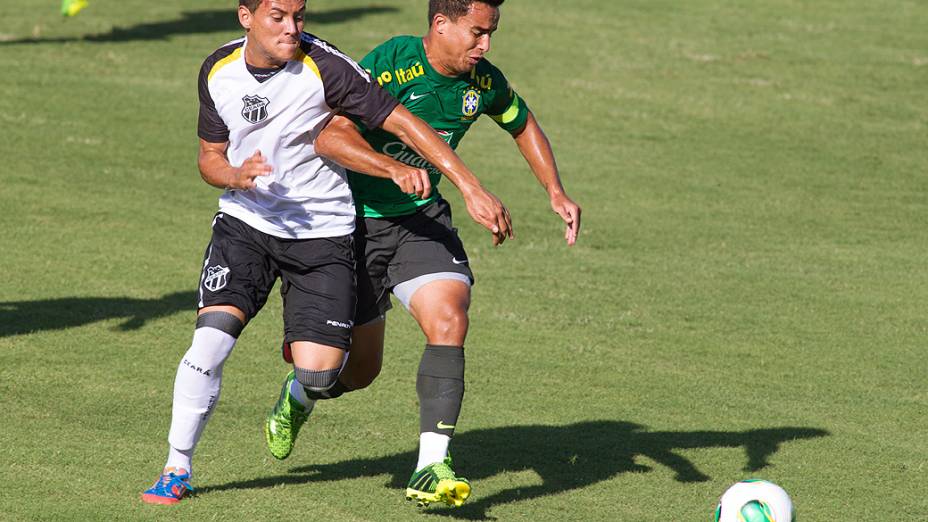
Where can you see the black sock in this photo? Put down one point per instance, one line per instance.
(337, 390)
(440, 386)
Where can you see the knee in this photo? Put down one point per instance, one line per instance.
(447, 325)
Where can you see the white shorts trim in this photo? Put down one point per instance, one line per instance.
(406, 289)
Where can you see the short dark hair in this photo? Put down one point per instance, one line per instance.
(455, 9)
(252, 5)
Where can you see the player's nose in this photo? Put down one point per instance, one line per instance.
(290, 26)
(483, 44)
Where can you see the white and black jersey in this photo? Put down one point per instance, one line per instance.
(280, 112)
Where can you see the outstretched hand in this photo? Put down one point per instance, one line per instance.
(243, 178)
(570, 213)
(487, 210)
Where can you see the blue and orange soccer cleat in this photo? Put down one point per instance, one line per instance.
(169, 488)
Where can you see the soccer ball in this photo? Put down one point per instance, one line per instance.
(755, 500)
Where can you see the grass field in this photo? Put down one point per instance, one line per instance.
(747, 298)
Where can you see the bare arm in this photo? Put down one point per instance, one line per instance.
(536, 149)
(341, 142)
(216, 170)
(485, 208)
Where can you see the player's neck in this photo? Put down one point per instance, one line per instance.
(434, 56)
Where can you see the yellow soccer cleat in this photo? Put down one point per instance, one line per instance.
(72, 7)
(437, 483)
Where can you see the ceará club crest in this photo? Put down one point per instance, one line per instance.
(255, 108)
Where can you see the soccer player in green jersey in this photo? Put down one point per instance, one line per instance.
(406, 243)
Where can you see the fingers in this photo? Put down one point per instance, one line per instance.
(487, 210)
(426, 184)
(574, 225)
(419, 184)
(414, 181)
(253, 167)
(501, 224)
(570, 214)
(505, 223)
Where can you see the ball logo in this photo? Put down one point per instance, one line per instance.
(255, 108)
(445, 135)
(471, 103)
(216, 278)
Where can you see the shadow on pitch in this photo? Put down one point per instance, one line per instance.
(22, 317)
(198, 22)
(564, 458)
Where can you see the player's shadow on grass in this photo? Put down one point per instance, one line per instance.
(563, 458)
(198, 22)
(22, 317)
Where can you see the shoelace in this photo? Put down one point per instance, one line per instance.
(442, 471)
(169, 480)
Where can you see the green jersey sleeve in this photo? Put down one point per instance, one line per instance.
(507, 109)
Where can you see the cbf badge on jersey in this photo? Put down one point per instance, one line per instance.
(255, 108)
(471, 103)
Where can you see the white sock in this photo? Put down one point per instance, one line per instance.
(196, 389)
(299, 393)
(180, 459)
(433, 447)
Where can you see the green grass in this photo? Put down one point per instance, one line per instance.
(746, 299)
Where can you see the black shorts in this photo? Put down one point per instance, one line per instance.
(394, 250)
(317, 279)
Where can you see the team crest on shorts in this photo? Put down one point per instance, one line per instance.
(255, 108)
(471, 103)
(216, 278)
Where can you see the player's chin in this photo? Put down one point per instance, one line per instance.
(287, 50)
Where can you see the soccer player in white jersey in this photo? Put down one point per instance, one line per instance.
(286, 212)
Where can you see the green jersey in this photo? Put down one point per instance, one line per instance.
(449, 105)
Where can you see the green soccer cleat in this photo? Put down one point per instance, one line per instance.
(72, 7)
(437, 483)
(284, 422)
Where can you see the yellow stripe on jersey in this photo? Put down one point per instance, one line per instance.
(236, 54)
(301, 56)
(511, 113)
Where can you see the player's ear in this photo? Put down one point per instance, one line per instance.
(438, 23)
(245, 17)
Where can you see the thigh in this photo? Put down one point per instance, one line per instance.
(237, 270)
(429, 245)
(318, 290)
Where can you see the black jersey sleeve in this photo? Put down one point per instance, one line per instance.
(348, 87)
(210, 127)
